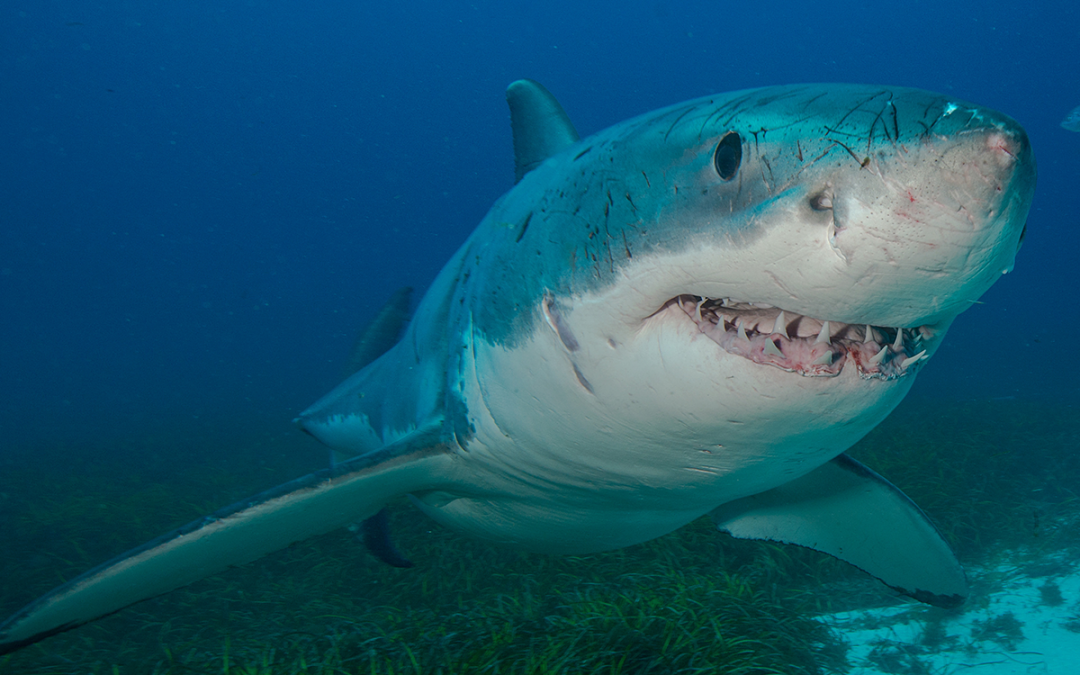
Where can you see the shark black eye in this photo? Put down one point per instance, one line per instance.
(728, 156)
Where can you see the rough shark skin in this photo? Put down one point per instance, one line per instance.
(693, 312)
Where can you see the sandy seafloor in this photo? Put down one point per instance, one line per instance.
(1018, 627)
(1023, 615)
(1000, 478)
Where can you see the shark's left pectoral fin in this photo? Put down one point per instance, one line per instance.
(315, 504)
(848, 511)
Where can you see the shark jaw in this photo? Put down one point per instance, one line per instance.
(801, 344)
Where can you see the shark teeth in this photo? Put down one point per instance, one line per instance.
(780, 326)
(912, 360)
(806, 345)
(823, 335)
(771, 348)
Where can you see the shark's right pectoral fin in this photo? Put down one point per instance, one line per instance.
(315, 504)
(848, 511)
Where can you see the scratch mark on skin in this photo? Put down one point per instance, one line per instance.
(581, 379)
(676, 122)
(858, 107)
(862, 162)
(704, 470)
(771, 178)
(781, 286)
(555, 321)
(731, 109)
(930, 128)
(524, 226)
(880, 117)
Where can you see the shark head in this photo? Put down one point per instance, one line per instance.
(884, 213)
(743, 284)
(818, 230)
(861, 206)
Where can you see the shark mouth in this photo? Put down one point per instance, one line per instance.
(801, 344)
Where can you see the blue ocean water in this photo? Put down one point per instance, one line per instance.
(201, 203)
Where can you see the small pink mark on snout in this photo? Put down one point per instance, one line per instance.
(1003, 147)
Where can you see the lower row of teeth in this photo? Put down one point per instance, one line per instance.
(730, 331)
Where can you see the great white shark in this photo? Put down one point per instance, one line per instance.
(696, 311)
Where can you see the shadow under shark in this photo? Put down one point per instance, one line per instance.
(696, 311)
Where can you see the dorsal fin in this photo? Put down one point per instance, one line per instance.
(541, 127)
(382, 333)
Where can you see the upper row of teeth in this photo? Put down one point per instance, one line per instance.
(823, 336)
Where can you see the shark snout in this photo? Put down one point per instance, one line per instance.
(1005, 148)
(984, 144)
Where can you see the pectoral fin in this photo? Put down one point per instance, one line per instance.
(848, 511)
(303, 508)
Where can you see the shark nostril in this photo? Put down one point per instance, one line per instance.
(822, 201)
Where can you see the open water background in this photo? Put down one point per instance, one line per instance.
(201, 203)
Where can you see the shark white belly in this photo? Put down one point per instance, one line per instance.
(695, 311)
